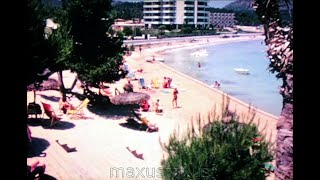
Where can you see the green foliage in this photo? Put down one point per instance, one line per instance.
(129, 10)
(138, 32)
(96, 55)
(221, 152)
(60, 42)
(186, 30)
(132, 47)
(161, 30)
(267, 13)
(247, 18)
(127, 31)
(36, 47)
(162, 27)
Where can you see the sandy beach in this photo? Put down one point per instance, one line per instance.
(102, 140)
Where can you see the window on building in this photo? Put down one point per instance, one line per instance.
(188, 14)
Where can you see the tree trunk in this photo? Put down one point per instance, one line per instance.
(62, 88)
(74, 83)
(284, 151)
(269, 12)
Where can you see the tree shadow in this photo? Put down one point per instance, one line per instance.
(114, 112)
(50, 98)
(47, 177)
(36, 147)
(101, 106)
(45, 124)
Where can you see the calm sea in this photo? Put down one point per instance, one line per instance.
(260, 88)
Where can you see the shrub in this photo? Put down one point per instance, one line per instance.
(226, 151)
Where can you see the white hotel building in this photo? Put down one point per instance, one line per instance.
(175, 12)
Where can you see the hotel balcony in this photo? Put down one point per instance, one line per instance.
(188, 17)
(152, 17)
(207, 12)
(188, 11)
(167, 17)
(151, 6)
(153, 11)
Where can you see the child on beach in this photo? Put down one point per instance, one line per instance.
(144, 105)
(175, 98)
(128, 87)
(64, 105)
(158, 108)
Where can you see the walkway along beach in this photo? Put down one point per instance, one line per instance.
(101, 141)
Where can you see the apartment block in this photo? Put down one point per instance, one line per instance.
(221, 20)
(175, 12)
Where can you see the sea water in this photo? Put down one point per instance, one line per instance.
(260, 87)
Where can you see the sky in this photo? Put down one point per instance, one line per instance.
(211, 3)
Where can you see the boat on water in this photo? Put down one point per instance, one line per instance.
(199, 53)
(151, 59)
(241, 71)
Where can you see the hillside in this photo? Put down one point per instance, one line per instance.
(240, 5)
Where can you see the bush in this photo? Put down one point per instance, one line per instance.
(138, 32)
(127, 31)
(187, 30)
(225, 151)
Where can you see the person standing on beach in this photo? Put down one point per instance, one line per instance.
(175, 98)
(140, 49)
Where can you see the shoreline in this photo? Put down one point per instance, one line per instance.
(220, 92)
(160, 52)
(244, 110)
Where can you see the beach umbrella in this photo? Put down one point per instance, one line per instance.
(129, 98)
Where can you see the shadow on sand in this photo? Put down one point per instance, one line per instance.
(134, 125)
(114, 112)
(36, 147)
(47, 177)
(45, 123)
(50, 98)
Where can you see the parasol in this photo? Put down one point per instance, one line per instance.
(129, 98)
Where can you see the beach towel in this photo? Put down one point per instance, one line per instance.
(155, 83)
(142, 83)
(165, 91)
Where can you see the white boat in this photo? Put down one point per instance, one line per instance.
(201, 52)
(151, 59)
(241, 71)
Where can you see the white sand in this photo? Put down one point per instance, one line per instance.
(101, 141)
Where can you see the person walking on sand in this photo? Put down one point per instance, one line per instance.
(175, 98)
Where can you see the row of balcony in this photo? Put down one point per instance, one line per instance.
(187, 17)
(185, 11)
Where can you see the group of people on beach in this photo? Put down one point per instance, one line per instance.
(167, 82)
(144, 105)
